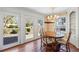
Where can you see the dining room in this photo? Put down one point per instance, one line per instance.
(39, 29)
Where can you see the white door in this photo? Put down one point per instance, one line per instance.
(30, 28)
(27, 29)
(10, 30)
(29, 33)
(40, 26)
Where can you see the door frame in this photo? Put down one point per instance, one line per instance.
(24, 19)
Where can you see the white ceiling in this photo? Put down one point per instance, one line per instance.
(48, 10)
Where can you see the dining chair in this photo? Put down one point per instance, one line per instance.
(65, 41)
(46, 41)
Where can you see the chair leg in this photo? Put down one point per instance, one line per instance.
(67, 48)
(58, 47)
(46, 48)
(46, 45)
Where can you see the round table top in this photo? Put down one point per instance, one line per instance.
(52, 35)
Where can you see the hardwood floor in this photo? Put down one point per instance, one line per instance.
(34, 46)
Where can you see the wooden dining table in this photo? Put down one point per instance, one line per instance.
(49, 34)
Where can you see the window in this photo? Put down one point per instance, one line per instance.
(61, 25)
(10, 30)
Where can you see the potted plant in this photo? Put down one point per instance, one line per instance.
(28, 29)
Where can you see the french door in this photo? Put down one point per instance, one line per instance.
(27, 29)
(29, 33)
(10, 30)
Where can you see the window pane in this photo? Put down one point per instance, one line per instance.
(10, 30)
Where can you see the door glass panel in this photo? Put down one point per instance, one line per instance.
(40, 26)
(10, 30)
(29, 29)
(39, 29)
(60, 26)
